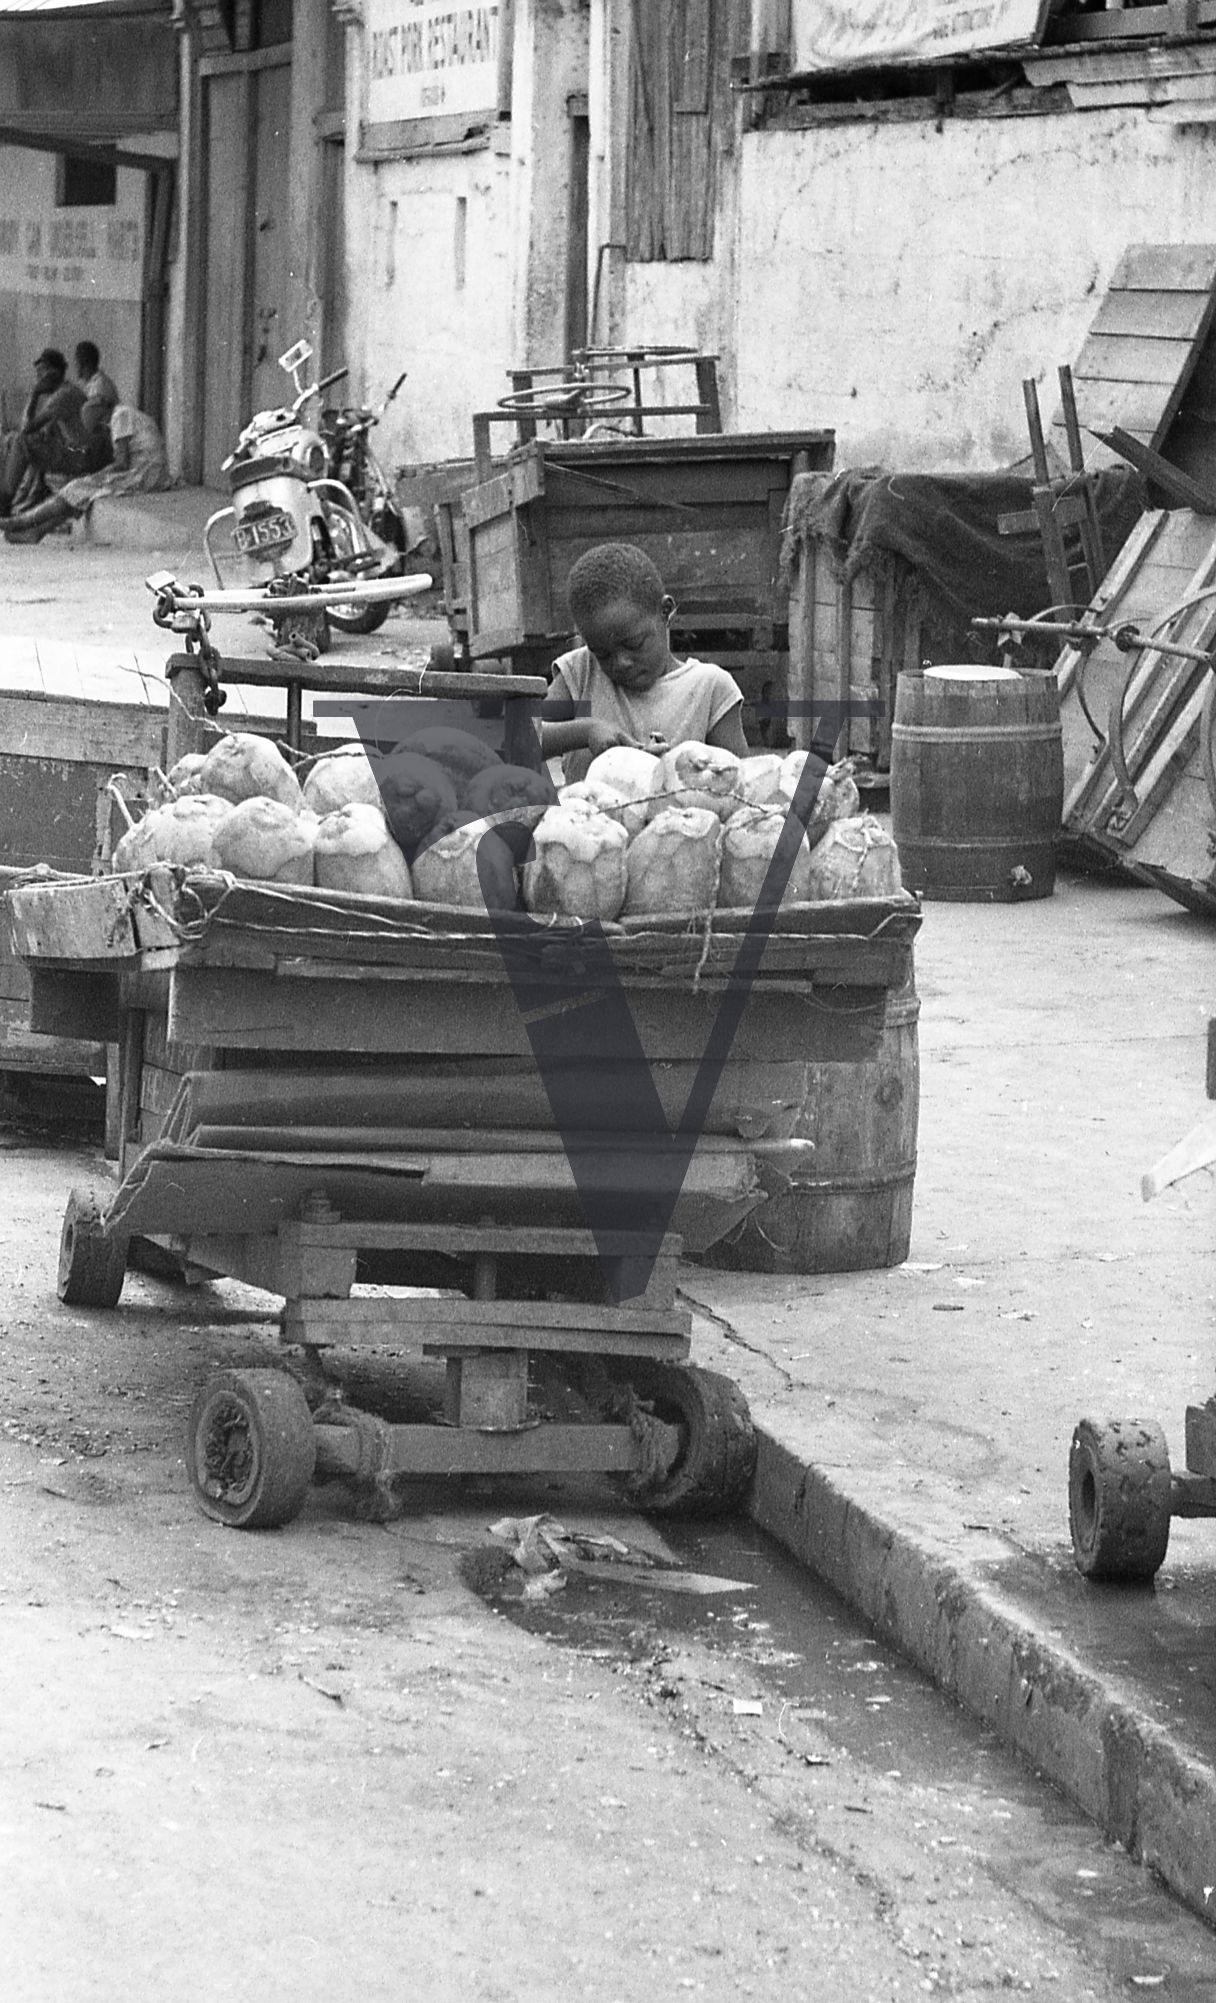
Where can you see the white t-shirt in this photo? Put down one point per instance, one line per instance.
(683, 706)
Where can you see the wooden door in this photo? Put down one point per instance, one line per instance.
(247, 126)
(269, 333)
(226, 107)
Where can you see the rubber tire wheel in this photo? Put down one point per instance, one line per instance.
(712, 1474)
(369, 618)
(1119, 1498)
(92, 1266)
(251, 1452)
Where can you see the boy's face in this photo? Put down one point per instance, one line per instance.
(629, 644)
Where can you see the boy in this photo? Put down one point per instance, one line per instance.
(625, 679)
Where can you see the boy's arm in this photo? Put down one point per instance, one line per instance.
(562, 731)
(727, 733)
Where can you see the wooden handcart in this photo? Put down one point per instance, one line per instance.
(319, 1088)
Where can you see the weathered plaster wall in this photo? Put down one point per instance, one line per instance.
(898, 283)
(66, 275)
(459, 295)
(408, 308)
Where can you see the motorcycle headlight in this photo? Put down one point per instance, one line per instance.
(312, 456)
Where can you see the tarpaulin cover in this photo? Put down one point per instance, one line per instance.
(944, 525)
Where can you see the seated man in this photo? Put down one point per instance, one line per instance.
(100, 399)
(51, 438)
(139, 466)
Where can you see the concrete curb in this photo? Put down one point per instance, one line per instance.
(1081, 1731)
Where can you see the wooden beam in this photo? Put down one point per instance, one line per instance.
(1187, 492)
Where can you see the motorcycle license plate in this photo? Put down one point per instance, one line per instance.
(273, 531)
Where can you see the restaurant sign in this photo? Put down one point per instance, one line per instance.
(430, 58)
(849, 34)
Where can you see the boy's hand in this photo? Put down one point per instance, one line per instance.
(605, 736)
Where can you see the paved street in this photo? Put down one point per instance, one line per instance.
(187, 1695)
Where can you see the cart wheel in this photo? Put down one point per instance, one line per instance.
(251, 1450)
(1119, 1498)
(718, 1455)
(91, 1265)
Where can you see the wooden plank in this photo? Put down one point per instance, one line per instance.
(23, 1049)
(1162, 315)
(557, 1241)
(1187, 492)
(33, 726)
(454, 1450)
(1138, 407)
(513, 1323)
(312, 1322)
(1173, 267)
(1128, 358)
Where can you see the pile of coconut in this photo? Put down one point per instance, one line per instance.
(438, 817)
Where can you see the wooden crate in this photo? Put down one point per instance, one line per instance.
(708, 509)
(851, 637)
(71, 718)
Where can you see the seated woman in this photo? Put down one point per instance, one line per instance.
(139, 466)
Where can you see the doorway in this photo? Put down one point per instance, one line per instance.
(247, 129)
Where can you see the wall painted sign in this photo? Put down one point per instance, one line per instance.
(68, 253)
(842, 34)
(428, 58)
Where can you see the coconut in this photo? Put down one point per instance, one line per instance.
(137, 848)
(701, 775)
(578, 865)
(673, 863)
(339, 778)
(243, 766)
(354, 850)
(512, 798)
(416, 795)
(181, 831)
(626, 777)
(837, 798)
(262, 838)
(184, 776)
(855, 858)
(460, 754)
(628, 799)
(496, 789)
(470, 866)
(760, 779)
(748, 841)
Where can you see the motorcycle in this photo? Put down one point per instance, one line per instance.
(292, 518)
(347, 435)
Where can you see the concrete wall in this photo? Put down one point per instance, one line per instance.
(66, 275)
(897, 282)
(411, 309)
(456, 260)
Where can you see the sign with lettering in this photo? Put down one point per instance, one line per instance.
(430, 58)
(67, 253)
(849, 34)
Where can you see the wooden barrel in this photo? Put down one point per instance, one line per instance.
(851, 1209)
(977, 783)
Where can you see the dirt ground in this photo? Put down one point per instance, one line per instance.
(315, 1762)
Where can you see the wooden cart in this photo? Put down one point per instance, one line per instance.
(317, 1087)
(707, 508)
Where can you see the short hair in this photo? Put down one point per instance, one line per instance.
(53, 359)
(613, 570)
(88, 356)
